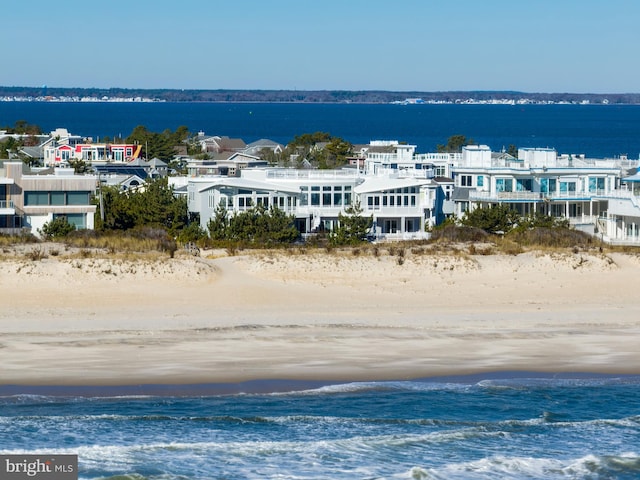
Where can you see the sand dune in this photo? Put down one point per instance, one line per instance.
(325, 316)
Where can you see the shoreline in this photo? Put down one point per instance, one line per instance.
(289, 386)
(315, 318)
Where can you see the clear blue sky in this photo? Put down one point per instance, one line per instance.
(401, 45)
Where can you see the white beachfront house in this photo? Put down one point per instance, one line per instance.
(568, 186)
(397, 188)
(620, 223)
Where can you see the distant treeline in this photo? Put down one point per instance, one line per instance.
(315, 96)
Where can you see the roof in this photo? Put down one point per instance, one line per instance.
(232, 143)
(263, 142)
(122, 169)
(633, 178)
(156, 162)
(235, 182)
(33, 152)
(461, 193)
(378, 184)
(443, 179)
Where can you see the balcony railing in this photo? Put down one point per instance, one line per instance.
(487, 196)
(6, 204)
(535, 196)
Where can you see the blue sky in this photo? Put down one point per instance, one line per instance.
(401, 45)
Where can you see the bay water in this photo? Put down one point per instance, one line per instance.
(597, 131)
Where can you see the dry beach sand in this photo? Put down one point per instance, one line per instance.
(314, 316)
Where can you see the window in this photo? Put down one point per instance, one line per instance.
(596, 184)
(78, 220)
(504, 185)
(548, 185)
(326, 196)
(524, 185)
(36, 198)
(77, 198)
(568, 187)
(57, 198)
(465, 181)
(480, 181)
(315, 196)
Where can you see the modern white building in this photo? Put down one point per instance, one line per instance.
(620, 223)
(397, 188)
(537, 181)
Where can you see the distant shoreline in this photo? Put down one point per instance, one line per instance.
(44, 93)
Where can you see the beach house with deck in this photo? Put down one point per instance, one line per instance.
(620, 223)
(396, 187)
(537, 181)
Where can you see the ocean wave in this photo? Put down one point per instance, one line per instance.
(621, 467)
(379, 386)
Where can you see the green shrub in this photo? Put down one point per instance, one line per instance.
(57, 228)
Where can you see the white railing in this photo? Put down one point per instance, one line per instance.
(286, 173)
(6, 204)
(505, 195)
(533, 196)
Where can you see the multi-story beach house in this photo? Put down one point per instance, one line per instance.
(397, 188)
(620, 223)
(29, 200)
(538, 180)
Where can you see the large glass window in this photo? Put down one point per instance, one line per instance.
(36, 198)
(57, 198)
(78, 220)
(567, 187)
(315, 196)
(77, 198)
(504, 184)
(596, 184)
(548, 185)
(524, 185)
(326, 196)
